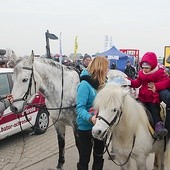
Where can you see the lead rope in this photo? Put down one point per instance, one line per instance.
(133, 144)
(62, 94)
(60, 108)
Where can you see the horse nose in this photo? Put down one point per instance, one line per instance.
(98, 132)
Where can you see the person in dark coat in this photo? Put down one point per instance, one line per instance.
(113, 66)
(130, 70)
(86, 60)
(84, 64)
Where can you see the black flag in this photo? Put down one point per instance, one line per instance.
(51, 36)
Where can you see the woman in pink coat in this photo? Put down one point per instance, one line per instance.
(152, 79)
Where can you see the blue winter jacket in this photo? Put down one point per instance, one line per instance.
(84, 101)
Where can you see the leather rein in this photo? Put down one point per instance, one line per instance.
(25, 96)
(110, 124)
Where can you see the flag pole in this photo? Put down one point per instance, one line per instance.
(47, 45)
(60, 57)
(52, 37)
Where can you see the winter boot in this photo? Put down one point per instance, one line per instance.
(160, 131)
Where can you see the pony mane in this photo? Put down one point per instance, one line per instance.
(133, 112)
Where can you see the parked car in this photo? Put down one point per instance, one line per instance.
(11, 123)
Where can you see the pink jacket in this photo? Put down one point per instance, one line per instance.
(157, 76)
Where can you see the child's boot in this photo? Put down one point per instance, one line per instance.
(160, 131)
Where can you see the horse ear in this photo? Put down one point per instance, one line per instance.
(31, 58)
(13, 57)
(12, 60)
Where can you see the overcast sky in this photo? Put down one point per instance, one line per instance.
(136, 24)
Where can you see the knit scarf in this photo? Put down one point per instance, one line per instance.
(91, 81)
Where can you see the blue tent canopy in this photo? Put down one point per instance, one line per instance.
(113, 52)
(114, 55)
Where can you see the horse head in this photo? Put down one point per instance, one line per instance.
(109, 104)
(24, 87)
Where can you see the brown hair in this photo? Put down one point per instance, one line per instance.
(98, 69)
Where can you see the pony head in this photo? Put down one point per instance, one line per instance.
(109, 104)
(24, 88)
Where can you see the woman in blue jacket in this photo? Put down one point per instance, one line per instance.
(92, 79)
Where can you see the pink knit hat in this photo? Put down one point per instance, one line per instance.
(146, 65)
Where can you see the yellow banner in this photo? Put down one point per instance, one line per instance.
(75, 49)
(166, 55)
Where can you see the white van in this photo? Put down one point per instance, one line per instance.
(11, 123)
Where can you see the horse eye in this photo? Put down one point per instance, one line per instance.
(25, 80)
(114, 110)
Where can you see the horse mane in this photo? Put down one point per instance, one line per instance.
(133, 112)
(46, 61)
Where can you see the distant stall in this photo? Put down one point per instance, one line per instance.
(114, 55)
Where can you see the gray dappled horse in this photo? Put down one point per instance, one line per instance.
(57, 83)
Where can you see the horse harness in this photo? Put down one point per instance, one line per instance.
(24, 98)
(117, 116)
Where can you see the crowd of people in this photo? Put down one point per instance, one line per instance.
(153, 82)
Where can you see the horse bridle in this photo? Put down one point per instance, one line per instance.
(25, 96)
(117, 116)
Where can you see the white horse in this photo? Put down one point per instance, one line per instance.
(127, 120)
(57, 83)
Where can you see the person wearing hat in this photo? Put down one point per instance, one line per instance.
(84, 64)
(130, 70)
(150, 81)
(86, 60)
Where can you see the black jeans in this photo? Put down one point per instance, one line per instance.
(154, 109)
(87, 142)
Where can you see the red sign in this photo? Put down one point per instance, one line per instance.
(131, 52)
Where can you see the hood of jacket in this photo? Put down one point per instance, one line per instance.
(150, 58)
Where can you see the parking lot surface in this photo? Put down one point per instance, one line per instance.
(40, 152)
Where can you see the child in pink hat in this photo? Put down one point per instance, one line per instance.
(152, 79)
